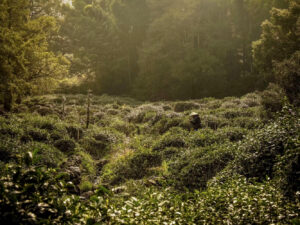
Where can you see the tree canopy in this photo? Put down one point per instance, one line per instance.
(27, 65)
(169, 49)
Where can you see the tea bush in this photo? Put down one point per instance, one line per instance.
(35, 195)
(44, 155)
(197, 166)
(272, 100)
(66, 146)
(135, 166)
(238, 168)
(261, 150)
(214, 122)
(175, 137)
(185, 106)
(165, 124)
(236, 201)
(205, 137)
(232, 133)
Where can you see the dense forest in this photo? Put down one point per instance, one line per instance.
(149, 112)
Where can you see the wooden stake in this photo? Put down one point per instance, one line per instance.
(88, 109)
(63, 106)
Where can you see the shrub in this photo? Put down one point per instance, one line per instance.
(230, 104)
(287, 74)
(43, 110)
(232, 133)
(98, 141)
(38, 134)
(112, 112)
(272, 100)
(230, 114)
(85, 186)
(185, 106)
(204, 137)
(170, 153)
(8, 148)
(260, 151)
(87, 163)
(175, 137)
(97, 148)
(44, 154)
(197, 166)
(10, 129)
(287, 170)
(124, 127)
(251, 100)
(165, 124)
(65, 145)
(214, 104)
(35, 195)
(246, 122)
(136, 116)
(213, 122)
(135, 166)
(238, 201)
(152, 117)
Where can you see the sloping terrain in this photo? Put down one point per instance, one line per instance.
(145, 163)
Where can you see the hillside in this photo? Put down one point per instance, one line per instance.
(145, 163)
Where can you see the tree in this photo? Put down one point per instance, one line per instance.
(103, 38)
(276, 53)
(26, 64)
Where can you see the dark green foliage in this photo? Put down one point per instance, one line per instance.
(272, 100)
(38, 134)
(185, 106)
(31, 195)
(9, 129)
(260, 151)
(165, 124)
(21, 201)
(204, 137)
(170, 153)
(197, 166)
(159, 168)
(65, 145)
(98, 142)
(236, 201)
(288, 77)
(97, 148)
(232, 133)
(8, 149)
(44, 154)
(175, 137)
(27, 64)
(145, 53)
(287, 169)
(277, 50)
(246, 122)
(136, 167)
(214, 122)
(124, 127)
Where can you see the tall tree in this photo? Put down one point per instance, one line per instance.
(26, 64)
(276, 53)
(104, 37)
